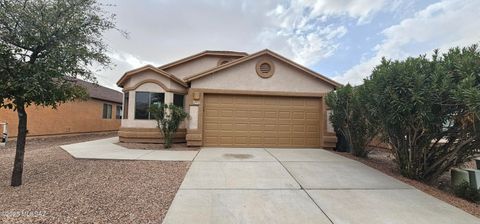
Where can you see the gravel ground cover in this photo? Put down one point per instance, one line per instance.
(59, 189)
(383, 161)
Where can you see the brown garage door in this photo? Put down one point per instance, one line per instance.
(262, 121)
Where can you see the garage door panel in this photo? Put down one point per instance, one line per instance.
(226, 113)
(312, 128)
(241, 114)
(241, 140)
(300, 115)
(299, 128)
(270, 127)
(255, 140)
(311, 134)
(312, 115)
(241, 127)
(256, 114)
(256, 127)
(269, 121)
(284, 135)
(312, 141)
(270, 134)
(241, 134)
(284, 122)
(298, 141)
(226, 127)
(299, 102)
(225, 140)
(211, 126)
(283, 127)
(297, 134)
(271, 114)
(284, 114)
(211, 113)
(269, 141)
(261, 121)
(284, 141)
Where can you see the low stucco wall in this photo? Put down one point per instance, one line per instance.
(148, 135)
(68, 118)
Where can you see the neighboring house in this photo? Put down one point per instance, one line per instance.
(234, 100)
(101, 112)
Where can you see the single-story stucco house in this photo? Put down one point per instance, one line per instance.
(101, 112)
(234, 100)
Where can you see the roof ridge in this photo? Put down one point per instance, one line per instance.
(200, 54)
(259, 53)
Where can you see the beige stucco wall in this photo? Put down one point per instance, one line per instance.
(195, 66)
(68, 118)
(244, 77)
(137, 78)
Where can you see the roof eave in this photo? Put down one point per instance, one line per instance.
(125, 76)
(257, 54)
(201, 54)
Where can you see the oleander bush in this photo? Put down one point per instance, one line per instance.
(350, 119)
(425, 108)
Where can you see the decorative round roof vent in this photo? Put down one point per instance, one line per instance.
(265, 68)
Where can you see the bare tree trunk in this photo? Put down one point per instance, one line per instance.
(20, 152)
(168, 140)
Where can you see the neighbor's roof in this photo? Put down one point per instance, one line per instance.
(202, 54)
(259, 54)
(99, 92)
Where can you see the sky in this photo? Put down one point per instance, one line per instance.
(340, 39)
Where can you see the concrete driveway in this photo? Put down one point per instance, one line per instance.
(256, 185)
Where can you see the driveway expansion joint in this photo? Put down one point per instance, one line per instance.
(301, 187)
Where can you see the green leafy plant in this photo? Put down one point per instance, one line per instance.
(44, 46)
(467, 192)
(350, 118)
(427, 109)
(168, 117)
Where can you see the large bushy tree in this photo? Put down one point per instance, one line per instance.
(428, 110)
(44, 46)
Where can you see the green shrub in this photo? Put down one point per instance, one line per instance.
(428, 110)
(350, 118)
(467, 192)
(168, 117)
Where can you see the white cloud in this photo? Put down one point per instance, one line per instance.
(302, 29)
(442, 25)
(131, 60)
(359, 9)
(306, 31)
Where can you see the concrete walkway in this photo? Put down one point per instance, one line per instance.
(257, 185)
(106, 149)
